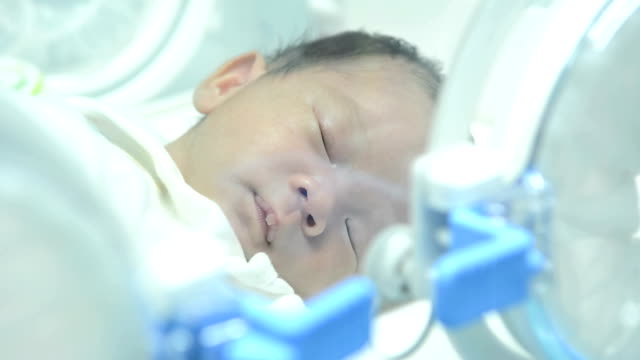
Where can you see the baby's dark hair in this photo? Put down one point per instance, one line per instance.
(353, 45)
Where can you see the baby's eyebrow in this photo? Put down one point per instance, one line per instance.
(344, 116)
(358, 126)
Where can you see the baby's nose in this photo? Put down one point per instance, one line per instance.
(316, 198)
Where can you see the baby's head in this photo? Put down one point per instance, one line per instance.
(308, 153)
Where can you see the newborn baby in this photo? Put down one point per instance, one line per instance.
(308, 153)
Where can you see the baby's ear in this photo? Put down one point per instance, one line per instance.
(230, 77)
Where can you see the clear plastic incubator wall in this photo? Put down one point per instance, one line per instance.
(524, 240)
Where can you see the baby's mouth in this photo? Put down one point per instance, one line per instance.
(267, 218)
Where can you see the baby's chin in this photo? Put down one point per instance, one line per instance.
(307, 287)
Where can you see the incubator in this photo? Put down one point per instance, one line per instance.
(526, 201)
(524, 241)
(144, 49)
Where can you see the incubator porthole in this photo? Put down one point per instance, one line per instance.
(589, 152)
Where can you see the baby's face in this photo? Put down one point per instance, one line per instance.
(309, 166)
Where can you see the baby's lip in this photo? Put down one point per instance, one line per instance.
(267, 217)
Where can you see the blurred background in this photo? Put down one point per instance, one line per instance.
(136, 50)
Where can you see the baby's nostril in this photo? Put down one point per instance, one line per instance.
(303, 192)
(310, 221)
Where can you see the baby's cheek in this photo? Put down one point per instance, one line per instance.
(312, 269)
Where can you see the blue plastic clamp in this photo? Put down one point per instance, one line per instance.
(334, 325)
(488, 267)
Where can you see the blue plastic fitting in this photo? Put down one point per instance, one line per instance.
(334, 325)
(489, 267)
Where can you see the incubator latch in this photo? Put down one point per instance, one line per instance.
(488, 267)
(214, 321)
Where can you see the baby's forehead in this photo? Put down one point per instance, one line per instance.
(359, 69)
(373, 84)
(393, 127)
